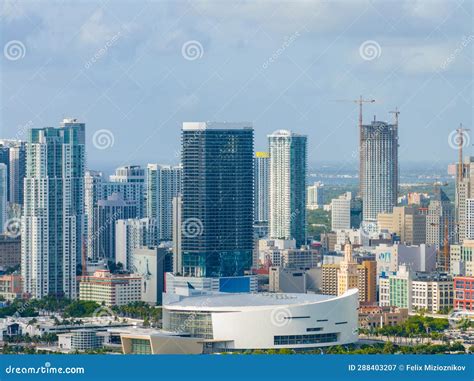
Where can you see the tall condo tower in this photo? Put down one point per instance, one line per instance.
(378, 169)
(53, 209)
(163, 183)
(262, 187)
(288, 166)
(217, 200)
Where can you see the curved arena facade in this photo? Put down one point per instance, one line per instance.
(264, 321)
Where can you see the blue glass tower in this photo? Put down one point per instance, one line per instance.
(217, 200)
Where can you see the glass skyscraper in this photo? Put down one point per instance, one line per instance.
(53, 209)
(288, 166)
(217, 199)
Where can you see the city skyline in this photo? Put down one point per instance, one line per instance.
(292, 72)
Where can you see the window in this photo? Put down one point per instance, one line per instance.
(141, 346)
(341, 322)
(305, 339)
(314, 329)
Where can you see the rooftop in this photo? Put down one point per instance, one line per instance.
(231, 302)
(201, 126)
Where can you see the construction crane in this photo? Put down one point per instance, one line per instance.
(360, 102)
(396, 113)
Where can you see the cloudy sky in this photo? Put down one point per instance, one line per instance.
(133, 71)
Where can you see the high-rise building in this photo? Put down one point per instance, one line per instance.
(17, 172)
(347, 276)
(130, 235)
(129, 181)
(217, 199)
(440, 225)
(288, 166)
(407, 222)
(341, 212)
(177, 223)
(315, 196)
(3, 195)
(53, 212)
(465, 200)
(262, 187)
(163, 182)
(107, 213)
(5, 159)
(379, 168)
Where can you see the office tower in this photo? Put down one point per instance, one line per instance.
(315, 196)
(288, 166)
(162, 185)
(177, 221)
(17, 172)
(3, 196)
(262, 187)
(347, 276)
(379, 168)
(107, 213)
(130, 235)
(53, 213)
(217, 199)
(439, 219)
(407, 222)
(341, 212)
(465, 199)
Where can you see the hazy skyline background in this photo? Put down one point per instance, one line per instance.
(140, 68)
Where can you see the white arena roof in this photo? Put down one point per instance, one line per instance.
(234, 302)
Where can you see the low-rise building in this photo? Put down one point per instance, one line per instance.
(462, 259)
(110, 289)
(371, 316)
(10, 251)
(10, 286)
(416, 291)
(464, 293)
